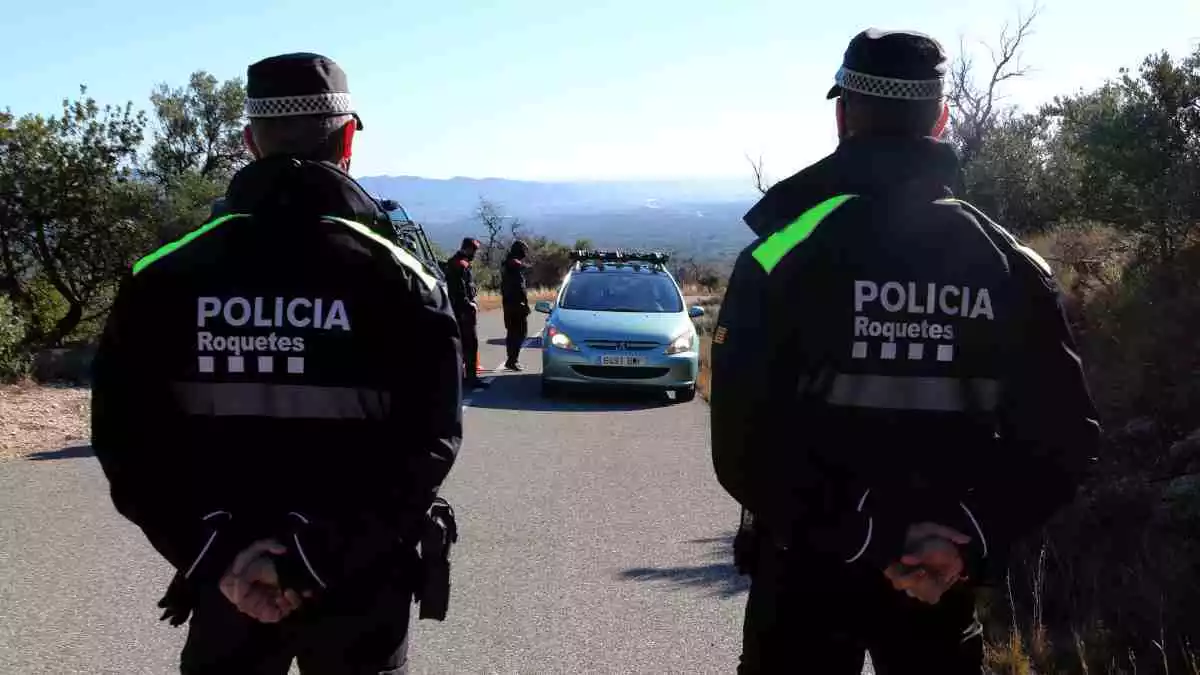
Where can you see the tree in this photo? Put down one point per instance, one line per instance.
(72, 215)
(761, 182)
(198, 145)
(1017, 176)
(492, 217)
(695, 272)
(14, 264)
(976, 108)
(549, 261)
(516, 228)
(1138, 144)
(199, 128)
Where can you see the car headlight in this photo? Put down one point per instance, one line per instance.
(683, 343)
(560, 340)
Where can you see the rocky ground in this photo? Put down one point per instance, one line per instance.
(36, 417)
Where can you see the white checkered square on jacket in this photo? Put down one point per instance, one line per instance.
(331, 103)
(888, 87)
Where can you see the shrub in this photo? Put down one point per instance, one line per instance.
(1111, 583)
(15, 363)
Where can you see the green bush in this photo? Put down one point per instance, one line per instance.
(15, 363)
(1112, 580)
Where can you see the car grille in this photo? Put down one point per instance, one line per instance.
(621, 372)
(618, 345)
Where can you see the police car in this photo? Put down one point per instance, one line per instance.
(620, 320)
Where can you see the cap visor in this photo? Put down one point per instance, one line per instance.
(835, 92)
(359, 121)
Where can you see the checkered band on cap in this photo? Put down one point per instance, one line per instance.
(889, 87)
(330, 103)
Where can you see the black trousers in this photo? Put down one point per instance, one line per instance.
(361, 632)
(516, 327)
(468, 327)
(807, 615)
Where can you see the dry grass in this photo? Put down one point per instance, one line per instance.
(704, 378)
(490, 300)
(1007, 659)
(705, 326)
(37, 417)
(1087, 259)
(696, 290)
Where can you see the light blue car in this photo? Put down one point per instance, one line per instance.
(620, 320)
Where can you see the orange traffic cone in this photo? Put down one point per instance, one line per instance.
(479, 364)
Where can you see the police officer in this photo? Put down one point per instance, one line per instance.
(515, 301)
(460, 282)
(896, 397)
(258, 412)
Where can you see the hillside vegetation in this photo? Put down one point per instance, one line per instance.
(1106, 183)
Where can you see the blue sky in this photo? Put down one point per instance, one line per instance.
(534, 89)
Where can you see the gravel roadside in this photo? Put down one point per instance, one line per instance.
(36, 418)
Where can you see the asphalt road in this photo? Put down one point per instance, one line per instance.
(594, 539)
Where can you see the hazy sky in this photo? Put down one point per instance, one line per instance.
(533, 89)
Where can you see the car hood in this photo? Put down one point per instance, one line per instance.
(581, 324)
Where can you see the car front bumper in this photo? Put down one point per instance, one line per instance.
(657, 371)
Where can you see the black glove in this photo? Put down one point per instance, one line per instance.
(225, 540)
(178, 602)
(745, 545)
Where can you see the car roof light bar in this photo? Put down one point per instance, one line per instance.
(598, 257)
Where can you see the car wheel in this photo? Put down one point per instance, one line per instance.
(550, 389)
(685, 395)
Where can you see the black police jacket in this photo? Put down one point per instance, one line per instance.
(512, 283)
(887, 355)
(256, 378)
(460, 282)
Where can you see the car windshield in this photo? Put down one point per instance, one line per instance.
(622, 292)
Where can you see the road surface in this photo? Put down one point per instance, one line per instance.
(594, 539)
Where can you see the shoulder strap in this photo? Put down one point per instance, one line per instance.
(1003, 239)
(186, 239)
(401, 256)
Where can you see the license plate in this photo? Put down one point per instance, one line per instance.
(621, 360)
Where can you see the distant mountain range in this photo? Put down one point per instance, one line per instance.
(701, 218)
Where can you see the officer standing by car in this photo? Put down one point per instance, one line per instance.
(277, 400)
(896, 396)
(460, 282)
(515, 301)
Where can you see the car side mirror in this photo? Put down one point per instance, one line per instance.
(695, 311)
(543, 306)
(389, 205)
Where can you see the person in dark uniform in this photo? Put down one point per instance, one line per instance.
(258, 410)
(896, 395)
(460, 283)
(515, 301)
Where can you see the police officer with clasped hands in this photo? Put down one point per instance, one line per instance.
(257, 411)
(896, 396)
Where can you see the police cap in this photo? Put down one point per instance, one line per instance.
(298, 84)
(892, 64)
